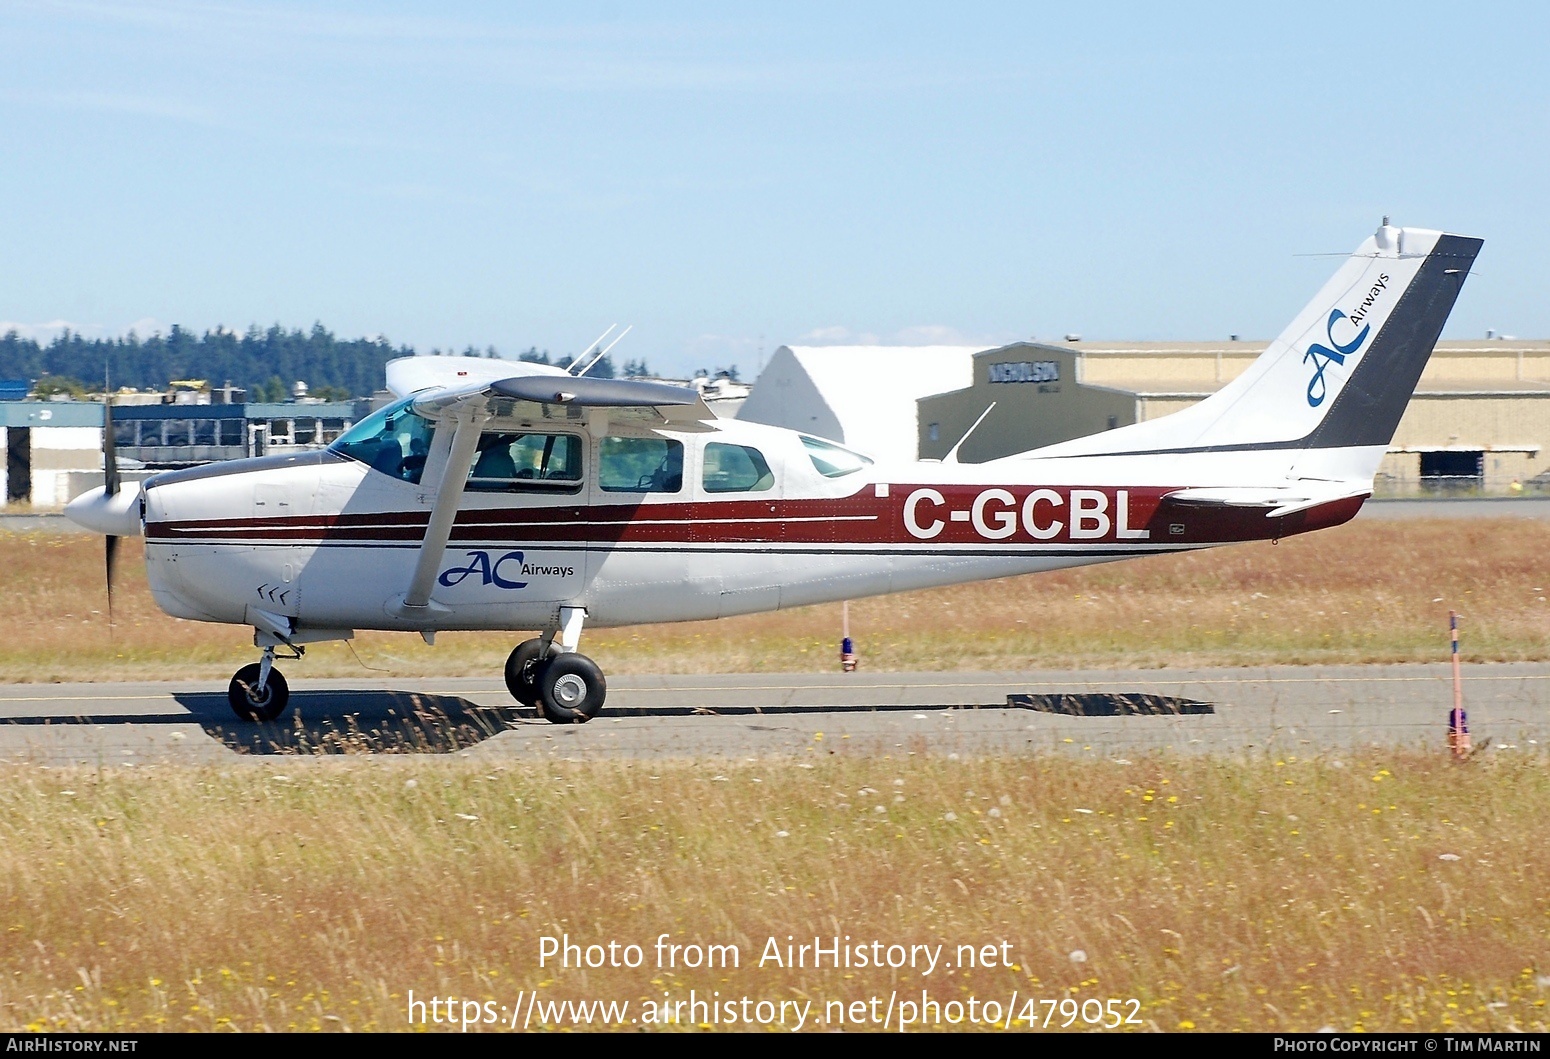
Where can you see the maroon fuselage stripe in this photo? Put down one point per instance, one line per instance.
(861, 519)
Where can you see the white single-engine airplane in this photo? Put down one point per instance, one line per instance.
(500, 495)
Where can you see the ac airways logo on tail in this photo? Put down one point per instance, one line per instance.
(1336, 351)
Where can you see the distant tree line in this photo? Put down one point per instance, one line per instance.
(265, 363)
(603, 369)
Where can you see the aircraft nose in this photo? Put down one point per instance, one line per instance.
(115, 516)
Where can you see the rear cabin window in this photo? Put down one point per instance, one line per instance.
(527, 463)
(640, 465)
(831, 461)
(735, 469)
(393, 440)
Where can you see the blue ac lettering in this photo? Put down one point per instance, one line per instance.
(489, 572)
(1323, 356)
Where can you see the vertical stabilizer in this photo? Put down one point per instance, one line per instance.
(1340, 375)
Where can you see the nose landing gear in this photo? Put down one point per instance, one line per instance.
(563, 686)
(258, 692)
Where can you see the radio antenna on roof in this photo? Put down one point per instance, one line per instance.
(590, 348)
(593, 362)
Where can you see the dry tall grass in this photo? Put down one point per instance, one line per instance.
(1366, 592)
(1393, 893)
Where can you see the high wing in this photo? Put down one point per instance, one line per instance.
(464, 393)
(441, 385)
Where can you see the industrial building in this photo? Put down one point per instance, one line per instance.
(1480, 417)
(51, 451)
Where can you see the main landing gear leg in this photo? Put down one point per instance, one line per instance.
(258, 691)
(564, 686)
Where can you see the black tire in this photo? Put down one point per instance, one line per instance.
(248, 704)
(571, 689)
(521, 669)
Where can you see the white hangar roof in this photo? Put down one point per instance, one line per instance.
(863, 397)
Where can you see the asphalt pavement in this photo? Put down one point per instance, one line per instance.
(1536, 506)
(1111, 713)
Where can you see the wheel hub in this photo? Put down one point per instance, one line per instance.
(570, 690)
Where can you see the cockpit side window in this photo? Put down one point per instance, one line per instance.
(527, 462)
(735, 469)
(392, 440)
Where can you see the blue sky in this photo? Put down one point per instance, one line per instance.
(723, 176)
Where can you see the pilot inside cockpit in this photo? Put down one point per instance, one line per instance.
(506, 462)
(393, 441)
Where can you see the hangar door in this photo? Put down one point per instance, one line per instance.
(1448, 470)
(18, 464)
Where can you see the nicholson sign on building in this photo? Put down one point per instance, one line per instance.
(1026, 371)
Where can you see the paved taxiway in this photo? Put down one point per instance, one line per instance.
(1282, 709)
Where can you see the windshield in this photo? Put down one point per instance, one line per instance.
(832, 461)
(392, 440)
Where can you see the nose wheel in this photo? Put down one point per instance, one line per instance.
(258, 692)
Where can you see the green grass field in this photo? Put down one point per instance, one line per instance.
(1377, 892)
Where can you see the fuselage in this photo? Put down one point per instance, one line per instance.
(639, 523)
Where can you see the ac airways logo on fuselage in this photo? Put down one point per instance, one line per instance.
(489, 571)
(1336, 351)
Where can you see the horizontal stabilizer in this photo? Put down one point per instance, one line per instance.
(1276, 502)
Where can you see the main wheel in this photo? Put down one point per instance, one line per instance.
(250, 704)
(521, 667)
(571, 688)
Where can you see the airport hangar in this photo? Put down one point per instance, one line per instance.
(1479, 420)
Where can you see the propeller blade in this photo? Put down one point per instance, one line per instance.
(111, 555)
(110, 484)
(109, 450)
